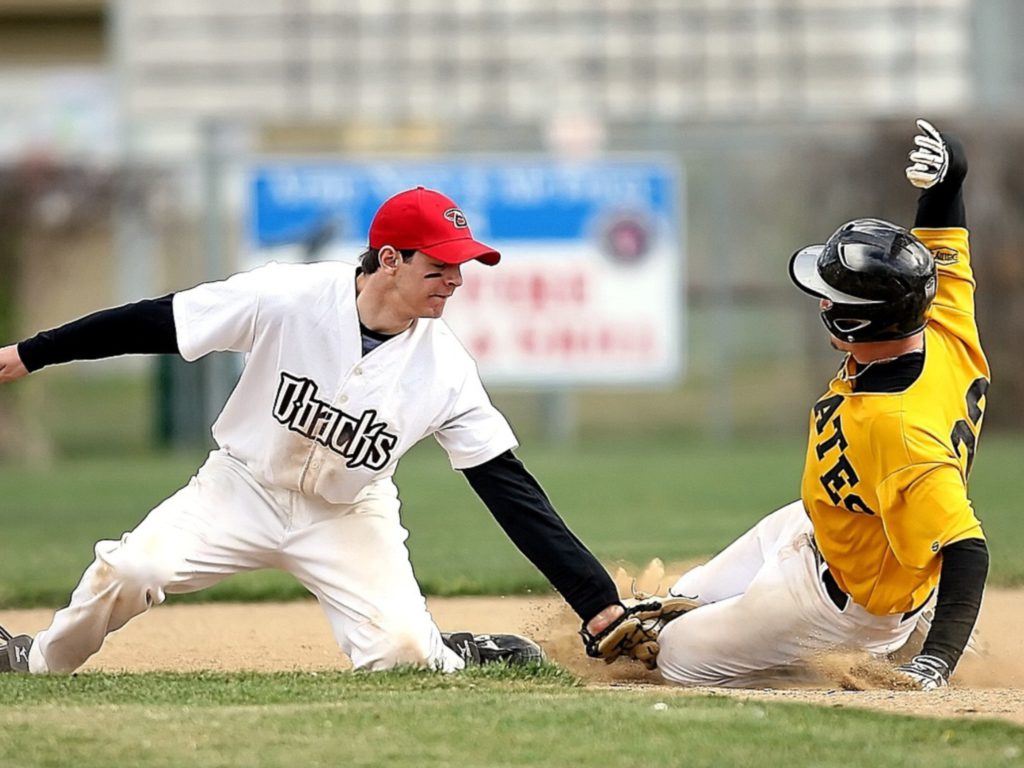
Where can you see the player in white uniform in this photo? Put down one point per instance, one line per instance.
(346, 369)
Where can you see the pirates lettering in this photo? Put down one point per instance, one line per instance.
(841, 476)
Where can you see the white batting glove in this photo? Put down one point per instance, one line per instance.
(930, 160)
(927, 672)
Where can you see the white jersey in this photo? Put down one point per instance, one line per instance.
(310, 412)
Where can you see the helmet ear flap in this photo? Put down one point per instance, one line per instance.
(843, 323)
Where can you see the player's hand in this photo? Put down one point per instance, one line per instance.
(604, 619)
(11, 367)
(634, 632)
(929, 161)
(926, 672)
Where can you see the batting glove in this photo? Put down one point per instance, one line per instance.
(930, 160)
(927, 672)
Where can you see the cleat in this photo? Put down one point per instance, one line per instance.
(464, 645)
(509, 649)
(14, 651)
(476, 650)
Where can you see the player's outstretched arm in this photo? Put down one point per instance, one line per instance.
(523, 510)
(11, 367)
(145, 327)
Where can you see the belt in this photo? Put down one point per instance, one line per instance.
(840, 599)
(836, 595)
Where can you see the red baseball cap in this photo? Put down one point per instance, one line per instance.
(422, 219)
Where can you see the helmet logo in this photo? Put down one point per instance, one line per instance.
(457, 217)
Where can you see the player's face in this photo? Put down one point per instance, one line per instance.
(840, 345)
(425, 285)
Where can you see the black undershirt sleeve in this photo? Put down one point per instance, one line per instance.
(961, 584)
(526, 515)
(943, 205)
(145, 327)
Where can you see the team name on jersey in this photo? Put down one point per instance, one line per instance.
(360, 439)
(841, 476)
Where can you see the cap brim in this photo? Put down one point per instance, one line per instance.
(462, 250)
(803, 271)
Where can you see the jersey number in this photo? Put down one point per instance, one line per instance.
(964, 432)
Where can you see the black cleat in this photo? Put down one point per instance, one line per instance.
(475, 650)
(14, 651)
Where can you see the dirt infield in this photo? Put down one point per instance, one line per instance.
(295, 636)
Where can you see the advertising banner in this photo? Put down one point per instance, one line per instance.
(589, 290)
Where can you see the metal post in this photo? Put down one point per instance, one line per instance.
(720, 405)
(134, 244)
(220, 370)
(557, 409)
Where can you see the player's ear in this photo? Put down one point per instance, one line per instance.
(389, 258)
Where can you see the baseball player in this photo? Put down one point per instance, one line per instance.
(884, 525)
(346, 369)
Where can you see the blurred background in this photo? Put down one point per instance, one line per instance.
(128, 131)
(647, 168)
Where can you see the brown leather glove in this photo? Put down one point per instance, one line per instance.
(635, 633)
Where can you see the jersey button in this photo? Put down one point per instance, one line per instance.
(315, 464)
(343, 399)
(358, 371)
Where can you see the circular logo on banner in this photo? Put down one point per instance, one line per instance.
(626, 238)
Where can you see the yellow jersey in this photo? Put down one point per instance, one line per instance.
(885, 478)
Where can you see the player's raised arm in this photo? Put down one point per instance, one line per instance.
(938, 166)
(145, 327)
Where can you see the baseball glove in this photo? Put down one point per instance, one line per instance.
(635, 633)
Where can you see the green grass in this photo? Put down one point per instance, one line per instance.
(486, 717)
(85, 411)
(628, 500)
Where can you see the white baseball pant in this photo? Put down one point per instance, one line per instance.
(766, 610)
(351, 557)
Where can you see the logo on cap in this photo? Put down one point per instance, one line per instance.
(457, 217)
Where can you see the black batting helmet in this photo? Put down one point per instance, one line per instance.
(877, 278)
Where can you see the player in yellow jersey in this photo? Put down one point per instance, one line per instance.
(884, 527)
